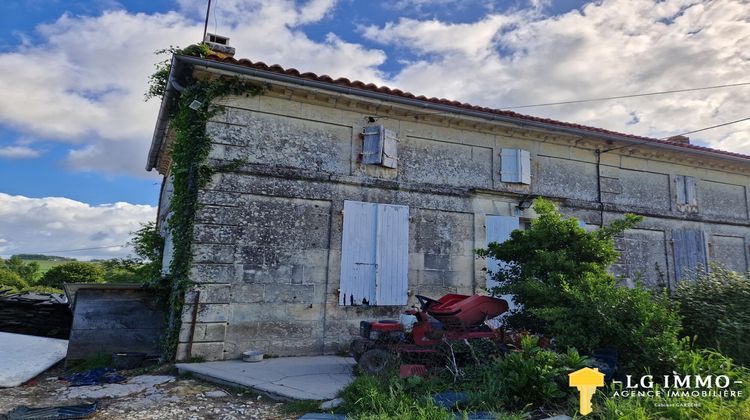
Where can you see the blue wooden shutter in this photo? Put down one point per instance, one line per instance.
(689, 252)
(499, 229)
(372, 147)
(509, 170)
(358, 253)
(392, 255)
(515, 166)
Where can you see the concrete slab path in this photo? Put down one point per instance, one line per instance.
(291, 378)
(23, 357)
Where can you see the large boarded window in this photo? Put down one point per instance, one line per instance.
(689, 252)
(374, 254)
(499, 229)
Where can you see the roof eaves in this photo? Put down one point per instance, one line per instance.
(343, 85)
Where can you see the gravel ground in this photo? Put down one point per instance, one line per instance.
(170, 398)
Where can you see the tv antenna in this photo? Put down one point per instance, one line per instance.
(205, 26)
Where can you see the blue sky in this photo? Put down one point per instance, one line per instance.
(74, 129)
(49, 175)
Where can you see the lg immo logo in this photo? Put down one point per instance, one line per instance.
(586, 380)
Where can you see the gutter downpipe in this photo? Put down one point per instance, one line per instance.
(448, 109)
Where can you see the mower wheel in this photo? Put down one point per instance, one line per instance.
(375, 361)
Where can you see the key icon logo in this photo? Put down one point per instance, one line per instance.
(586, 380)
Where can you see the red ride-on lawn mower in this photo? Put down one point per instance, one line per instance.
(419, 333)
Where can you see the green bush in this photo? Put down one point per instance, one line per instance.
(12, 281)
(715, 309)
(72, 272)
(370, 397)
(559, 274)
(532, 377)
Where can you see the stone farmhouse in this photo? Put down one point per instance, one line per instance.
(352, 198)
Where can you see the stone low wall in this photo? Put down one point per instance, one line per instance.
(36, 314)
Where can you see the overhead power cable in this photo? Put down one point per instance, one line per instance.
(634, 95)
(374, 118)
(72, 250)
(710, 128)
(677, 135)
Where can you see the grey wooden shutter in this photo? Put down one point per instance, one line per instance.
(499, 229)
(524, 159)
(358, 253)
(372, 147)
(679, 186)
(690, 185)
(392, 278)
(689, 252)
(390, 149)
(515, 166)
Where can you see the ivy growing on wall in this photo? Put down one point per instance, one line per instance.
(191, 171)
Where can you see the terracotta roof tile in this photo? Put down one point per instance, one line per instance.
(356, 84)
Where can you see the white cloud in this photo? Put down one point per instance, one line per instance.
(83, 83)
(32, 225)
(19, 152)
(610, 48)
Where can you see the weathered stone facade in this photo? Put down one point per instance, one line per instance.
(268, 237)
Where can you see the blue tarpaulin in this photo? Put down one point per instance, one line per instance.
(95, 376)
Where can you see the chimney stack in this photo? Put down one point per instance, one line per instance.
(679, 139)
(219, 45)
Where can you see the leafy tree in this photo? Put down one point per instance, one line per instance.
(27, 271)
(123, 270)
(72, 272)
(11, 280)
(558, 273)
(148, 245)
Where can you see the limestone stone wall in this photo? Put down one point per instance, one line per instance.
(267, 239)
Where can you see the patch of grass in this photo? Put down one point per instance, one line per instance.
(45, 265)
(370, 397)
(91, 362)
(301, 407)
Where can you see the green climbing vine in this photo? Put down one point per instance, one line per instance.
(191, 171)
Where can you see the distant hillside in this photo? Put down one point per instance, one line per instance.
(40, 257)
